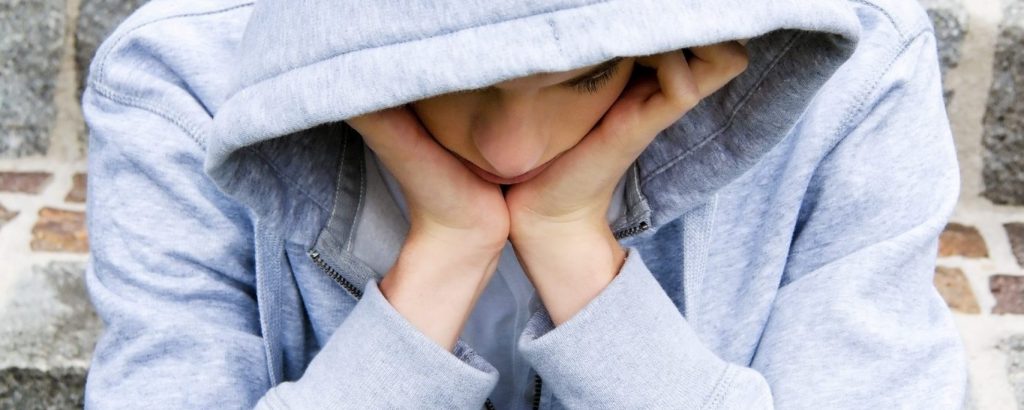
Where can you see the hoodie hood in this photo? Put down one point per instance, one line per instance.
(322, 61)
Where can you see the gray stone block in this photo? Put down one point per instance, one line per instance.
(1013, 346)
(96, 20)
(1003, 140)
(949, 18)
(31, 41)
(48, 330)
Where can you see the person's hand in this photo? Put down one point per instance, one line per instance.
(558, 218)
(458, 225)
(446, 200)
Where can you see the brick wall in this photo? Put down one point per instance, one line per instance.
(47, 329)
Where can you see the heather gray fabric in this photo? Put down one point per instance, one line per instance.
(781, 235)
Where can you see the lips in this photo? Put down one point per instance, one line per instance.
(494, 179)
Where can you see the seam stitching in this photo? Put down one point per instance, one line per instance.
(844, 129)
(102, 72)
(732, 116)
(359, 202)
(292, 183)
(714, 396)
(844, 126)
(337, 180)
(892, 20)
(194, 132)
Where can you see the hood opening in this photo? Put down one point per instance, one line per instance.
(303, 66)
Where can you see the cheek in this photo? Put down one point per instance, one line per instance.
(587, 109)
(447, 119)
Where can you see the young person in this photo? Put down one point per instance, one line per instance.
(587, 204)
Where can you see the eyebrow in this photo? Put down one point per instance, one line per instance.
(595, 71)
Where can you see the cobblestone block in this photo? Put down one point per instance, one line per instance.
(962, 240)
(949, 17)
(954, 288)
(1015, 232)
(1003, 140)
(1013, 346)
(96, 20)
(31, 41)
(77, 193)
(1008, 291)
(6, 215)
(47, 334)
(24, 182)
(59, 230)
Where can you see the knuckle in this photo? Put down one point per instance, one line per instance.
(686, 99)
(738, 58)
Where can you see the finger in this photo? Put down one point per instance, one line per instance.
(594, 165)
(715, 65)
(393, 133)
(408, 151)
(679, 91)
(647, 106)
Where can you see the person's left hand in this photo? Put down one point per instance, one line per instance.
(558, 218)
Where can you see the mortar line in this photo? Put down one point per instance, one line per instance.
(64, 137)
(971, 81)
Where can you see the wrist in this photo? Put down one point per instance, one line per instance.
(470, 238)
(442, 258)
(568, 264)
(435, 285)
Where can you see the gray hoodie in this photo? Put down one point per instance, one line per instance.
(781, 236)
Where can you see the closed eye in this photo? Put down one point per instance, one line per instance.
(594, 82)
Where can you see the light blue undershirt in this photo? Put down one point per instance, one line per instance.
(503, 308)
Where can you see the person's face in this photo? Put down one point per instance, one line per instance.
(509, 132)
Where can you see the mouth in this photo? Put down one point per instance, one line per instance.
(498, 180)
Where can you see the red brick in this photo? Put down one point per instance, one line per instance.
(954, 288)
(59, 230)
(962, 240)
(24, 182)
(77, 193)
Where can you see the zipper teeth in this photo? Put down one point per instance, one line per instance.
(633, 230)
(536, 391)
(340, 280)
(488, 405)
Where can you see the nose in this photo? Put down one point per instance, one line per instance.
(509, 137)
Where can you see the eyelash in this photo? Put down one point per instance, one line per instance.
(592, 84)
(587, 85)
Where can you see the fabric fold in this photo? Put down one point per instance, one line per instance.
(629, 345)
(394, 361)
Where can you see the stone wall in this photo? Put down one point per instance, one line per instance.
(48, 330)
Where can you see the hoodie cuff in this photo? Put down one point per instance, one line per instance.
(376, 358)
(629, 346)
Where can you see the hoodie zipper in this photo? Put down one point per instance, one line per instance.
(333, 274)
(357, 294)
(536, 395)
(633, 230)
(536, 391)
(537, 382)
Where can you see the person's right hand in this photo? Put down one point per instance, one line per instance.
(458, 225)
(446, 200)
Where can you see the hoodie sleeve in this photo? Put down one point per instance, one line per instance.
(171, 274)
(856, 322)
(170, 270)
